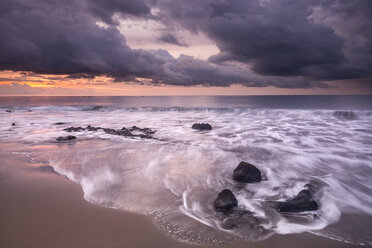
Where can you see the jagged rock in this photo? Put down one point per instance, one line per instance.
(229, 223)
(302, 202)
(225, 201)
(13, 124)
(90, 128)
(247, 173)
(144, 133)
(202, 126)
(74, 129)
(66, 138)
(145, 130)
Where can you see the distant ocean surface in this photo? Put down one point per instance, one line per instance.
(175, 176)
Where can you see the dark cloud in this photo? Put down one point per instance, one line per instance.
(107, 8)
(284, 43)
(283, 37)
(59, 37)
(171, 39)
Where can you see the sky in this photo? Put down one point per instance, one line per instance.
(179, 47)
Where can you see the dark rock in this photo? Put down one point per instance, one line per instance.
(229, 223)
(202, 126)
(60, 123)
(345, 115)
(144, 133)
(124, 132)
(66, 138)
(74, 129)
(110, 131)
(13, 124)
(8, 111)
(302, 202)
(247, 173)
(145, 130)
(225, 201)
(90, 128)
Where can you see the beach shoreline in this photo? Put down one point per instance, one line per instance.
(43, 209)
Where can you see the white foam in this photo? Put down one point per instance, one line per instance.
(184, 170)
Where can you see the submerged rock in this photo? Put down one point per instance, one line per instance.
(60, 123)
(229, 223)
(66, 138)
(225, 201)
(8, 111)
(247, 173)
(74, 129)
(90, 128)
(302, 202)
(345, 115)
(145, 130)
(145, 133)
(202, 126)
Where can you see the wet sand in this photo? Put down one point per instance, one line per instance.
(39, 208)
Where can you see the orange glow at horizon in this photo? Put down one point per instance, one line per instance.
(24, 83)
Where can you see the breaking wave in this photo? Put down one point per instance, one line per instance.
(176, 177)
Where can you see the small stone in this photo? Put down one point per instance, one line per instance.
(66, 138)
(225, 201)
(247, 173)
(202, 126)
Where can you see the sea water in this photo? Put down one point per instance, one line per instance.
(325, 141)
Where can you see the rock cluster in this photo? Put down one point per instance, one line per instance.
(245, 172)
(302, 202)
(145, 133)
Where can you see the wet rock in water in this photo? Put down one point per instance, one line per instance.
(124, 132)
(229, 223)
(60, 123)
(90, 128)
(144, 133)
(302, 202)
(145, 130)
(74, 129)
(247, 173)
(225, 201)
(8, 111)
(110, 131)
(345, 115)
(202, 126)
(66, 138)
(13, 124)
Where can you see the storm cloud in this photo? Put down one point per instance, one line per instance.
(319, 40)
(284, 43)
(170, 39)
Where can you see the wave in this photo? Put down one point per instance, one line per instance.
(176, 177)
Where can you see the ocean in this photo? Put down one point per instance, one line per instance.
(176, 174)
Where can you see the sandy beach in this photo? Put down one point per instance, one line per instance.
(40, 208)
